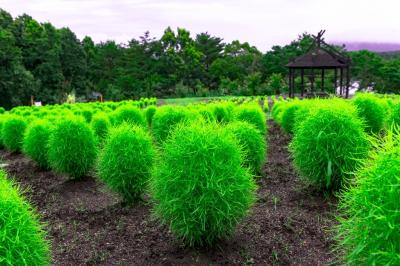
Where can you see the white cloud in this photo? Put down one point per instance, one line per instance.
(262, 23)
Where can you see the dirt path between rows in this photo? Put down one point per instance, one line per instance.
(88, 226)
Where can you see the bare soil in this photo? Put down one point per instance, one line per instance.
(87, 225)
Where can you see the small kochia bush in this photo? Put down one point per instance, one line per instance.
(22, 237)
(252, 114)
(2, 110)
(199, 187)
(35, 143)
(289, 116)
(72, 147)
(328, 145)
(222, 112)
(252, 142)
(150, 111)
(125, 162)
(100, 124)
(1, 129)
(166, 118)
(13, 133)
(129, 114)
(394, 115)
(371, 110)
(368, 232)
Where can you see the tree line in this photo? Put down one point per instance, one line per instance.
(37, 59)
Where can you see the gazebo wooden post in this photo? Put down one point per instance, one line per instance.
(302, 82)
(293, 81)
(312, 80)
(322, 79)
(335, 79)
(341, 81)
(347, 81)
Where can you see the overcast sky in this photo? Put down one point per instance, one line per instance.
(262, 23)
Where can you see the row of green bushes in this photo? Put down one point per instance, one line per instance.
(352, 147)
(198, 163)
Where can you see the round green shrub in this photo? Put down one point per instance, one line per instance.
(129, 114)
(87, 114)
(368, 232)
(328, 145)
(252, 142)
(221, 112)
(200, 189)
(72, 147)
(101, 125)
(2, 110)
(22, 237)
(289, 116)
(371, 110)
(252, 114)
(35, 143)
(395, 114)
(206, 113)
(126, 161)
(150, 112)
(1, 134)
(13, 133)
(166, 118)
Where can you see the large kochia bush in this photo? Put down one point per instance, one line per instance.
(328, 145)
(13, 133)
(72, 147)
(129, 114)
(368, 232)
(252, 114)
(371, 110)
(199, 187)
(126, 161)
(22, 239)
(253, 144)
(35, 143)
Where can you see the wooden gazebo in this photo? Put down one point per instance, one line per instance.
(320, 58)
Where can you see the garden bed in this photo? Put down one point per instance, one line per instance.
(88, 226)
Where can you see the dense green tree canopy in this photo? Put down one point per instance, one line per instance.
(37, 59)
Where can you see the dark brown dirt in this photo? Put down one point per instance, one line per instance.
(88, 226)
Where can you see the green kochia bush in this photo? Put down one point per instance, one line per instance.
(1, 135)
(328, 145)
(129, 114)
(150, 112)
(166, 118)
(100, 124)
(72, 147)
(200, 189)
(252, 142)
(368, 232)
(371, 110)
(35, 143)
(13, 133)
(252, 114)
(126, 161)
(289, 116)
(21, 236)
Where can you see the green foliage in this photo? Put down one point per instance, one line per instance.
(13, 132)
(394, 115)
(252, 142)
(72, 147)
(22, 237)
(2, 110)
(328, 145)
(371, 110)
(150, 112)
(100, 124)
(166, 118)
(368, 232)
(252, 114)
(222, 112)
(131, 115)
(201, 190)
(289, 116)
(126, 161)
(35, 143)
(1, 132)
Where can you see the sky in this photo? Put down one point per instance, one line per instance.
(261, 23)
